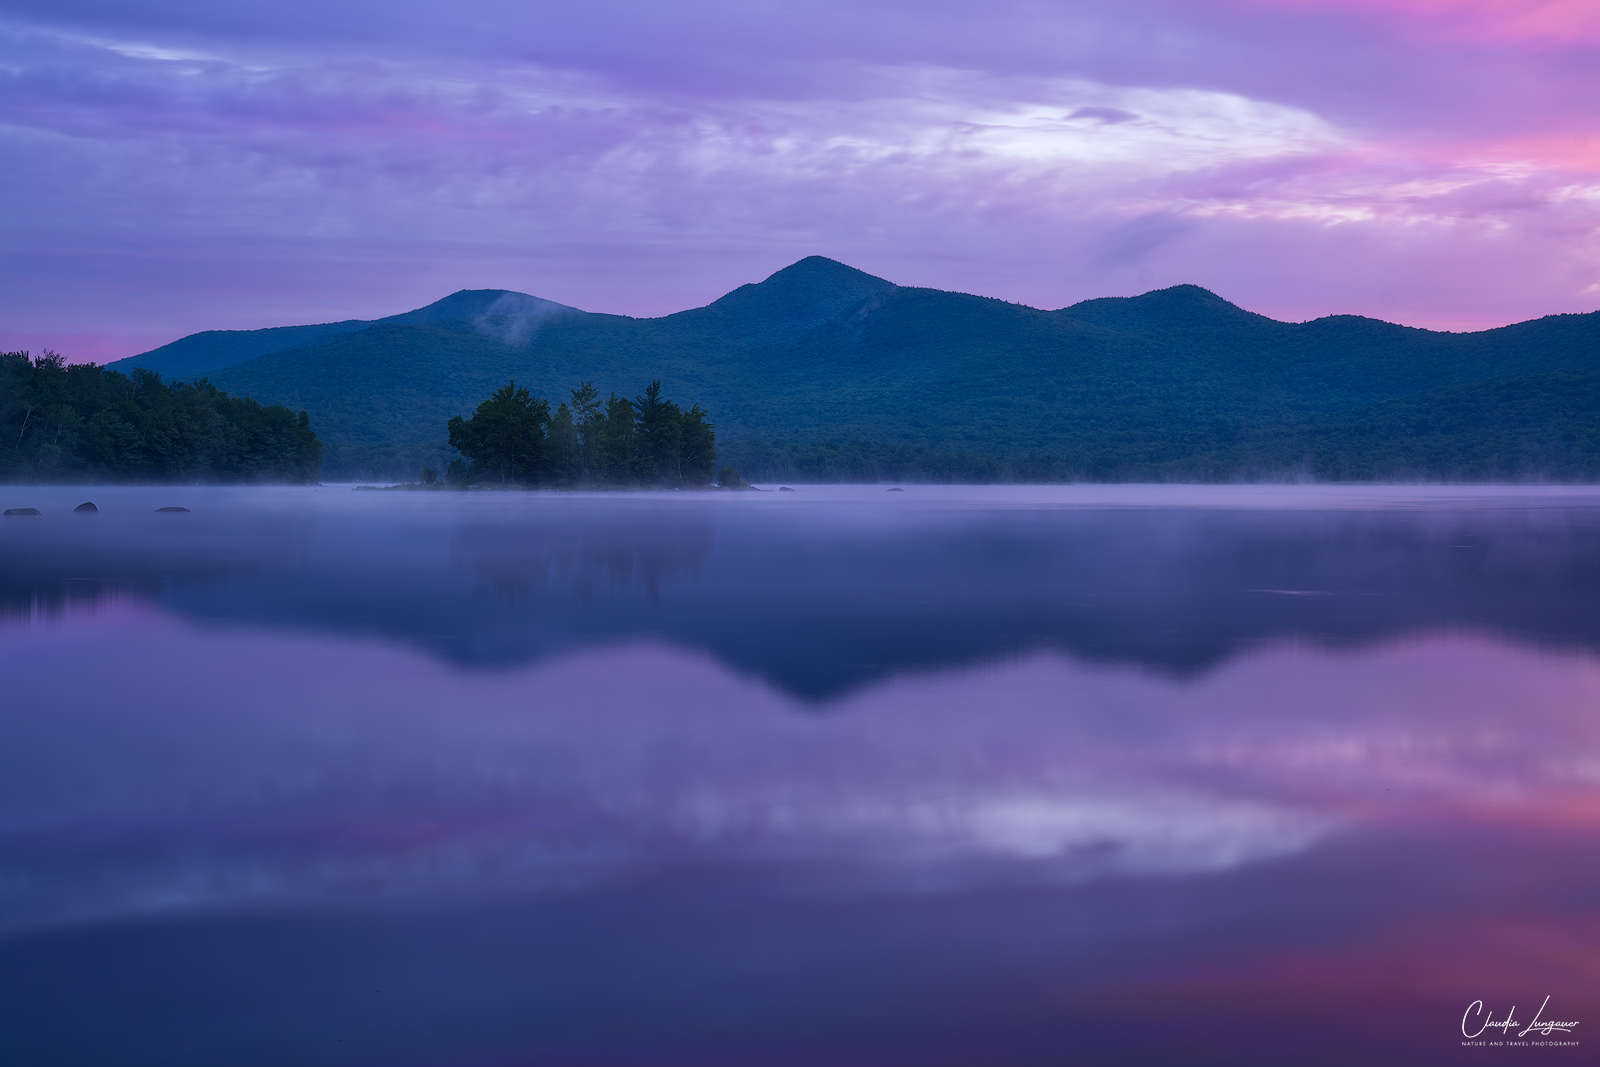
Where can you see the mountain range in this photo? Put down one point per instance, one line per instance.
(826, 372)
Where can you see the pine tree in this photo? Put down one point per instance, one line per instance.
(506, 437)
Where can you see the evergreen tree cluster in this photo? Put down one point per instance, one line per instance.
(514, 439)
(85, 422)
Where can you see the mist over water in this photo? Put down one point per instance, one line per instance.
(955, 775)
(829, 588)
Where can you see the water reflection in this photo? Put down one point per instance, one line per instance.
(584, 556)
(958, 781)
(194, 770)
(822, 596)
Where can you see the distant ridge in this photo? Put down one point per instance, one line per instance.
(496, 312)
(824, 371)
(200, 354)
(1181, 307)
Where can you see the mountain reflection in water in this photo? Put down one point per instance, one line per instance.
(1005, 777)
(820, 596)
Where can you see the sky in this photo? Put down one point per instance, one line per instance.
(182, 165)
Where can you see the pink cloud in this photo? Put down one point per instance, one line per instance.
(1543, 22)
(198, 168)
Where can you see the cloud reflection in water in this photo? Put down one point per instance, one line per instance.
(244, 768)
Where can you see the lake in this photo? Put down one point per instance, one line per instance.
(955, 775)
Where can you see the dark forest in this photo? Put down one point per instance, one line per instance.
(86, 423)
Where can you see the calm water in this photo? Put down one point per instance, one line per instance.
(994, 776)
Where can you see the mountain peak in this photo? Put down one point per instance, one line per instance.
(499, 313)
(472, 304)
(1177, 307)
(820, 270)
(802, 295)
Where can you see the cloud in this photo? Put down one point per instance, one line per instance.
(1137, 238)
(1545, 22)
(1108, 115)
(1022, 152)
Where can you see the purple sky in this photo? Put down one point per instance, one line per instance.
(180, 165)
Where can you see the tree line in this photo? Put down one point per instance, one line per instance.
(514, 439)
(85, 422)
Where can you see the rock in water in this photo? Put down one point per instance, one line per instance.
(896, 489)
(784, 489)
(87, 505)
(172, 509)
(22, 511)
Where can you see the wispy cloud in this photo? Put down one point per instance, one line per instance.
(1548, 22)
(1300, 157)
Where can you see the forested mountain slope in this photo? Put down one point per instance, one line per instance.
(492, 312)
(825, 371)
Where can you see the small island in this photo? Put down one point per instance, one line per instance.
(512, 439)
